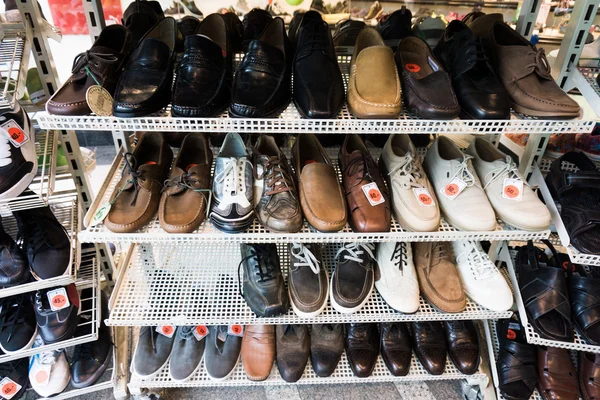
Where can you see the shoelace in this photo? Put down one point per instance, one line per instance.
(355, 251)
(12, 314)
(49, 357)
(439, 252)
(233, 176)
(509, 168)
(264, 270)
(92, 57)
(479, 262)
(137, 175)
(408, 169)
(275, 176)
(539, 65)
(476, 53)
(304, 258)
(361, 167)
(399, 255)
(187, 180)
(35, 234)
(315, 38)
(463, 173)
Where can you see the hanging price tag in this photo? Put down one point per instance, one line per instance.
(100, 214)
(15, 134)
(58, 299)
(99, 100)
(373, 193)
(235, 330)
(424, 197)
(166, 330)
(200, 332)
(9, 388)
(512, 189)
(453, 188)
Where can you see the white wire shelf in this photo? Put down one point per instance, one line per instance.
(192, 285)
(14, 61)
(256, 233)
(290, 121)
(65, 211)
(342, 374)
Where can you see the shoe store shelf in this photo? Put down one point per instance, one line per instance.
(256, 233)
(14, 56)
(66, 212)
(290, 121)
(193, 285)
(342, 374)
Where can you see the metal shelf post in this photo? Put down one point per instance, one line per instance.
(527, 17)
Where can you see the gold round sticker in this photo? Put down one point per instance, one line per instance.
(99, 100)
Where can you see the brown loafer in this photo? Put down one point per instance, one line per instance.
(185, 195)
(137, 195)
(321, 196)
(557, 378)
(258, 351)
(589, 375)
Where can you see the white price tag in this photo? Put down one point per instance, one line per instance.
(166, 330)
(424, 197)
(9, 388)
(512, 189)
(373, 193)
(100, 214)
(200, 332)
(235, 330)
(453, 188)
(15, 134)
(58, 299)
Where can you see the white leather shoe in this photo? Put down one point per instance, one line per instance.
(413, 200)
(482, 281)
(451, 172)
(493, 167)
(395, 277)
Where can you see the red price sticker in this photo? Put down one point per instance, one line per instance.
(423, 196)
(412, 67)
(166, 330)
(453, 188)
(511, 335)
(371, 190)
(58, 299)
(235, 330)
(512, 189)
(9, 388)
(200, 332)
(15, 134)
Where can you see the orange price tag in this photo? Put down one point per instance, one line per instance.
(510, 334)
(200, 332)
(15, 134)
(424, 198)
(512, 189)
(166, 330)
(371, 190)
(58, 299)
(235, 330)
(9, 388)
(453, 188)
(412, 67)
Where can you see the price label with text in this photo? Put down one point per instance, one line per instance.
(9, 388)
(166, 330)
(373, 193)
(200, 332)
(512, 189)
(235, 330)
(58, 299)
(423, 196)
(453, 188)
(15, 134)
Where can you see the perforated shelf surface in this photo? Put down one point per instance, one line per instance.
(290, 121)
(191, 285)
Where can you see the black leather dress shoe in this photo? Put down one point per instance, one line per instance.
(188, 25)
(204, 76)
(395, 347)
(395, 26)
(140, 17)
(463, 345)
(318, 83)
(478, 90)
(362, 348)
(326, 348)
(145, 84)
(254, 24)
(429, 344)
(346, 32)
(261, 86)
(426, 86)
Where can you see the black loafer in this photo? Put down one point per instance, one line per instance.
(145, 84)
(140, 17)
(262, 84)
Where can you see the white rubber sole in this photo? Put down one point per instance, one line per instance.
(314, 313)
(27, 346)
(352, 310)
(188, 377)
(212, 378)
(21, 186)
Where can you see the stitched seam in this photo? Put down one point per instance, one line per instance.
(354, 93)
(310, 211)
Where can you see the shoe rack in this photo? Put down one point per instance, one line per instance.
(190, 279)
(65, 190)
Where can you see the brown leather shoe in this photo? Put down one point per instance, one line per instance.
(104, 59)
(321, 196)
(557, 378)
(438, 277)
(185, 195)
(525, 73)
(367, 214)
(589, 375)
(137, 195)
(258, 351)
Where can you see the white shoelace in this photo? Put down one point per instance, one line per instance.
(481, 265)
(509, 167)
(464, 173)
(233, 177)
(409, 171)
(305, 258)
(355, 251)
(4, 152)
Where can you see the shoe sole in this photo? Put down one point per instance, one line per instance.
(21, 185)
(537, 113)
(528, 228)
(273, 114)
(91, 380)
(352, 310)
(212, 378)
(187, 378)
(462, 228)
(313, 314)
(27, 346)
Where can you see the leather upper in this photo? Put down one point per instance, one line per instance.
(55, 326)
(346, 32)
(258, 351)
(430, 345)
(395, 26)
(362, 348)
(140, 16)
(395, 276)
(293, 349)
(463, 345)
(326, 347)
(308, 290)
(353, 279)
(589, 375)
(151, 352)
(396, 348)
(557, 377)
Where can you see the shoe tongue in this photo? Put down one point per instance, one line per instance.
(102, 50)
(205, 44)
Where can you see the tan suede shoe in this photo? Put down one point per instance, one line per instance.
(320, 193)
(258, 351)
(438, 277)
(374, 85)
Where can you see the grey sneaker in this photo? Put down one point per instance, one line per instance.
(222, 353)
(293, 348)
(152, 352)
(275, 195)
(187, 352)
(353, 279)
(232, 207)
(307, 280)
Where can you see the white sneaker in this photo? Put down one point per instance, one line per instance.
(493, 168)
(396, 278)
(451, 172)
(413, 199)
(482, 281)
(49, 372)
